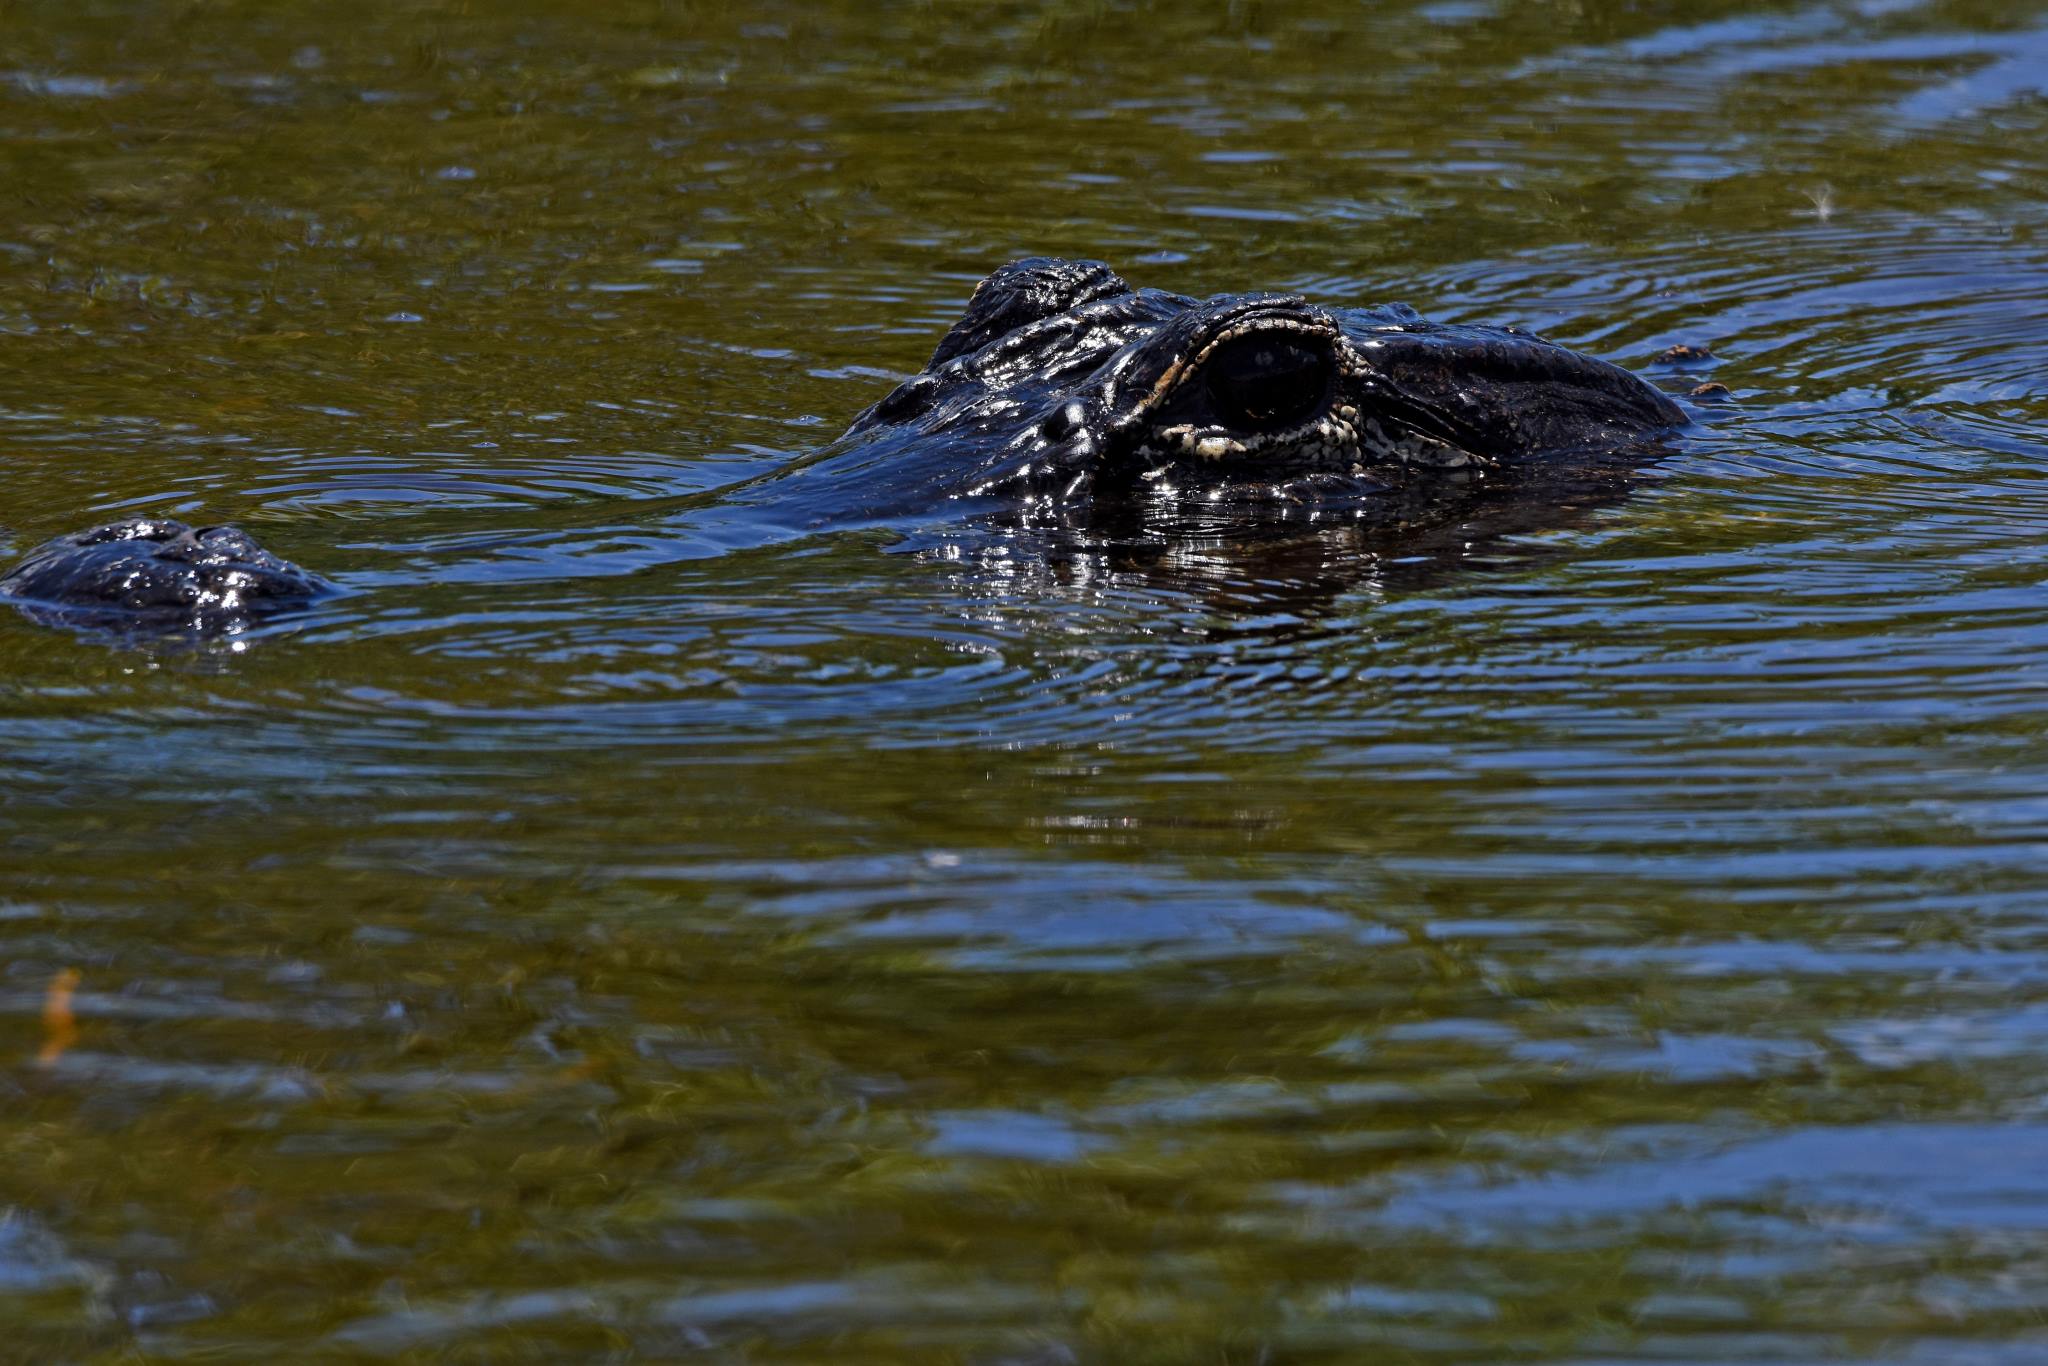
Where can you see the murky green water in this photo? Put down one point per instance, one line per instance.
(1624, 938)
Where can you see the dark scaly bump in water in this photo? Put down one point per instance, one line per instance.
(158, 578)
(627, 927)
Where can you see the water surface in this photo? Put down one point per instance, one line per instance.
(1612, 934)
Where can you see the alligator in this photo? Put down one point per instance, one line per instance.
(1062, 394)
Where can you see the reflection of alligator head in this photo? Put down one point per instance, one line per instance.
(1064, 397)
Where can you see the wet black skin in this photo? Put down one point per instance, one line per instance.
(154, 575)
(1063, 397)
(1063, 393)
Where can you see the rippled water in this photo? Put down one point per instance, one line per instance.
(1611, 930)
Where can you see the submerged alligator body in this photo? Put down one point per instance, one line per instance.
(1062, 393)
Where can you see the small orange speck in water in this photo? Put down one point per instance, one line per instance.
(60, 1026)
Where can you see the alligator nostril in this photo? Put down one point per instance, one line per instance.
(1063, 422)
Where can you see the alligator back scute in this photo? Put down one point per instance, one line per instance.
(158, 575)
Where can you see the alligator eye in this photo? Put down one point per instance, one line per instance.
(1266, 383)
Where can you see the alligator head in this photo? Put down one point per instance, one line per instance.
(1063, 386)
